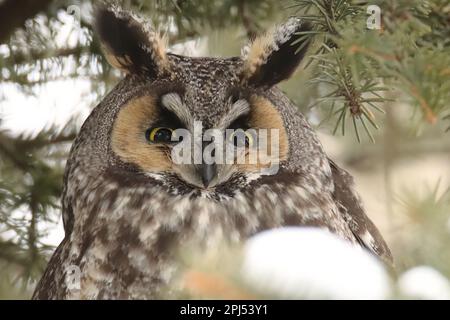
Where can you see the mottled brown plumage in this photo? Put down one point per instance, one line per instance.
(128, 209)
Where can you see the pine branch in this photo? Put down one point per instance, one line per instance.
(247, 22)
(14, 13)
(334, 69)
(357, 65)
(11, 253)
(7, 150)
(33, 55)
(32, 233)
(15, 149)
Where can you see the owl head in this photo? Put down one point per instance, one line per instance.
(174, 119)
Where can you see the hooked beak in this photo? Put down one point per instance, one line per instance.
(208, 172)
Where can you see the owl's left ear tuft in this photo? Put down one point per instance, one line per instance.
(273, 57)
(129, 43)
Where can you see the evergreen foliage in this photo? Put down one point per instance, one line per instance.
(390, 86)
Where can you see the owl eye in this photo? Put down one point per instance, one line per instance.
(241, 138)
(159, 134)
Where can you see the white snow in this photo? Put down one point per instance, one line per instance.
(424, 282)
(311, 263)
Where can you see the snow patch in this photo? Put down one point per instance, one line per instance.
(311, 263)
(424, 282)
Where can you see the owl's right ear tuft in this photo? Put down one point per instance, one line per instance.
(129, 44)
(274, 56)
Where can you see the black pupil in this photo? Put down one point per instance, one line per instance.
(240, 139)
(163, 135)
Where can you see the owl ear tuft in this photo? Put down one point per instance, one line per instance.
(129, 43)
(273, 57)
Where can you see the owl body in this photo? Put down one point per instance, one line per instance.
(128, 210)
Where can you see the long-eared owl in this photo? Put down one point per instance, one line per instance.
(133, 197)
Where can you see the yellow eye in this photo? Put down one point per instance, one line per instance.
(159, 134)
(241, 138)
